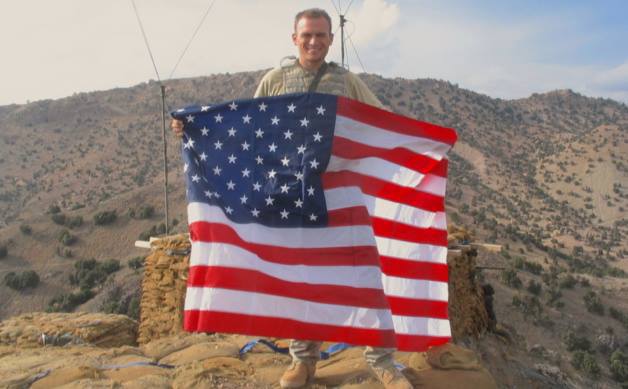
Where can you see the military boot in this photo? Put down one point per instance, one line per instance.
(298, 374)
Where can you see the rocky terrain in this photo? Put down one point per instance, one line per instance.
(545, 177)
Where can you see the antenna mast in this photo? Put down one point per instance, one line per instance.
(342, 38)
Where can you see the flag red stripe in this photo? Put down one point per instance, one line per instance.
(417, 307)
(255, 281)
(384, 189)
(348, 149)
(326, 256)
(419, 342)
(391, 229)
(349, 216)
(392, 122)
(212, 321)
(416, 270)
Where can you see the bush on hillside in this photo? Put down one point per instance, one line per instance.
(26, 229)
(27, 279)
(89, 272)
(58, 218)
(136, 263)
(574, 342)
(66, 302)
(105, 217)
(53, 208)
(67, 238)
(4, 251)
(619, 366)
(585, 361)
(593, 303)
(509, 277)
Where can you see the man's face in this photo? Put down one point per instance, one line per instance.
(313, 38)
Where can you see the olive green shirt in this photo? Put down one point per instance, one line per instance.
(292, 78)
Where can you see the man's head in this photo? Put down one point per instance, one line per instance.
(313, 36)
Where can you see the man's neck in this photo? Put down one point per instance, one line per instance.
(311, 66)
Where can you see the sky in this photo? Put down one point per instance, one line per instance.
(505, 49)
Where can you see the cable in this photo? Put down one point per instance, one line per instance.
(348, 6)
(357, 55)
(192, 38)
(334, 4)
(150, 53)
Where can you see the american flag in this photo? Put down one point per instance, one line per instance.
(316, 217)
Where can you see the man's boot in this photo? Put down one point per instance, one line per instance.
(298, 374)
(391, 378)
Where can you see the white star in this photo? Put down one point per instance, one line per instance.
(318, 137)
(259, 160)
(259, 133)
(246, 119)
(217, 195)
(299, 176)
(229, 210)
(185, 167)
(217, 170)
(320, 110)
(257, 187)
(204, 131)
(190, 118)
(275, 120)
(272, 147)
(232, 158)
(204, 108)
(218, 145)
(310, 191)
(208, 194)
(181, 110)
(243, 199)
(269, 200)
(255, 212)
(313, 217)
(189, 144)
(291, 107)
(246, 172)
(298, 203)
(304, 122)
(245, 146)
(284, 214)
(233, 106)
(218, 118)
(314, 163)
(301, 149)
(285, 161)
(284, 188)
(262, 107)
(231, 185)
(203, 156)
(196, 178)
(232, 131)
(272, 173)
(288, 134)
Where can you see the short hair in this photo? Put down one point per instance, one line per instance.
(312, 13)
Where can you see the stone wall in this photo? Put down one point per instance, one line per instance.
(163, 289)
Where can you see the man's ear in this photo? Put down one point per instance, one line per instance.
(294, 38)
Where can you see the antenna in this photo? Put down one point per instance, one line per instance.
(343, 20)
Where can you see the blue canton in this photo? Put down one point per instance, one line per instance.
(260, 160)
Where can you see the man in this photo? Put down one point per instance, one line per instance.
(308, 73)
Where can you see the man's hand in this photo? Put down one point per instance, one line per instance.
(177, 127)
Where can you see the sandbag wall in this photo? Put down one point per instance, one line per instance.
(467, 311)
(163, 288)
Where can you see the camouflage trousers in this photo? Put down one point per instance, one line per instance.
(310, 351)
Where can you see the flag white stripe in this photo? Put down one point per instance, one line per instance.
(388, 171)
(227, 255)
(258, 304)
(285, 237)
(378, 137)
(411, 251)
(352, 196)
(427, 326)
(415, 289)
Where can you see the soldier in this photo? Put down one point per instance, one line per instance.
(310, 73)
